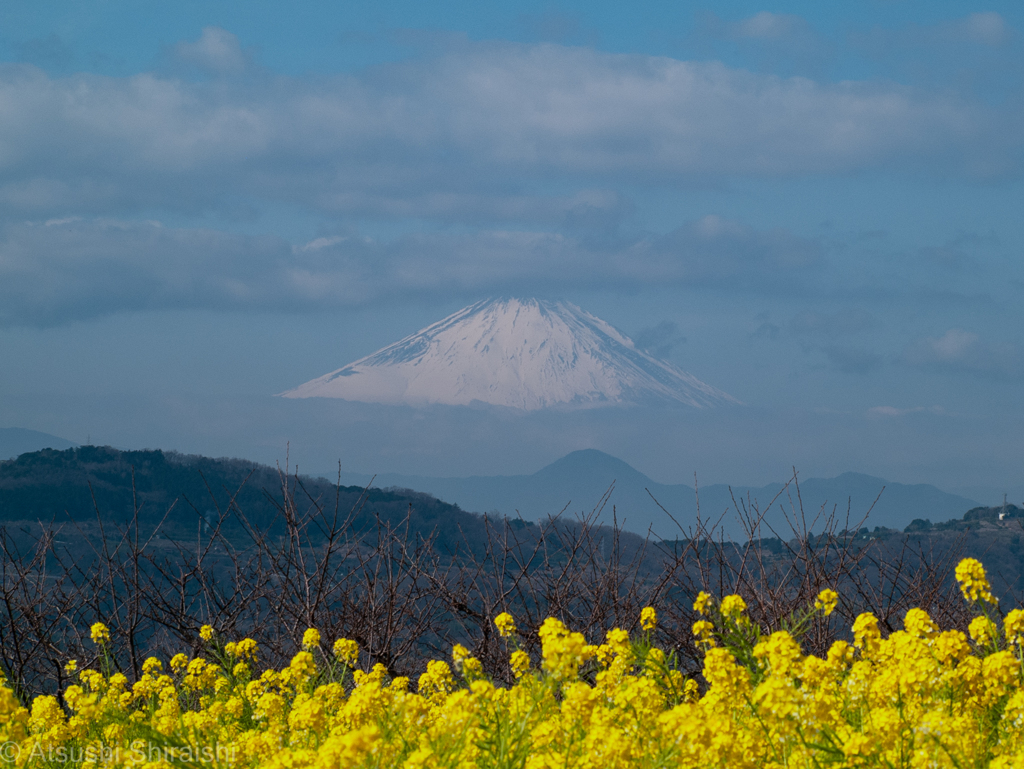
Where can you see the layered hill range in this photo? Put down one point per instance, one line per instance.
(17, 440)
(524, 354)
(577, 483)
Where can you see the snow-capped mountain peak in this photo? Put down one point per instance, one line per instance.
(524, 354)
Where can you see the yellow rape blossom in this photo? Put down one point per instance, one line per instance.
(704, 630)
(826, 601)
(505, 624)
(563, 650)
(437, 681)
(1013, 625)
(982, 630)
(247, 649)
(973, 582)
(648, 618)
(733, 606)
(311, 639)
(100, 634)
(703, 603)
(866, 635)
(347, 651)
(922, 696)
(520, 662)
(918, 623)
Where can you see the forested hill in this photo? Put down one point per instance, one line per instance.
(76, 484)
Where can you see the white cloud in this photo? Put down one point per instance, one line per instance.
(61, 271)
(850, 320)
(946, 51)
(951, 347)
(960, 350)
(986, 27)
(317, 243)
(981, 28)
(890, 412)
(217, 51)
(852, 360)
(714, 249)
(459, 136)
(767, 25)
(659, 340)
(80, 268)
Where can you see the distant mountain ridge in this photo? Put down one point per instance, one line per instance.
(18, 440)
(51, 484)
(577, 481)
(524, 354)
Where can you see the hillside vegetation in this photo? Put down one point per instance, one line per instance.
(181, 495)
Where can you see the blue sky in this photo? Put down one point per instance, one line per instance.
(818, 205)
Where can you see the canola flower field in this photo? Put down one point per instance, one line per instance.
(922, 697)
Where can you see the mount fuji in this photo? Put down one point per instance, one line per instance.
(524, 354)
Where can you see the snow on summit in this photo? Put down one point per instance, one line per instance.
(524, 354)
